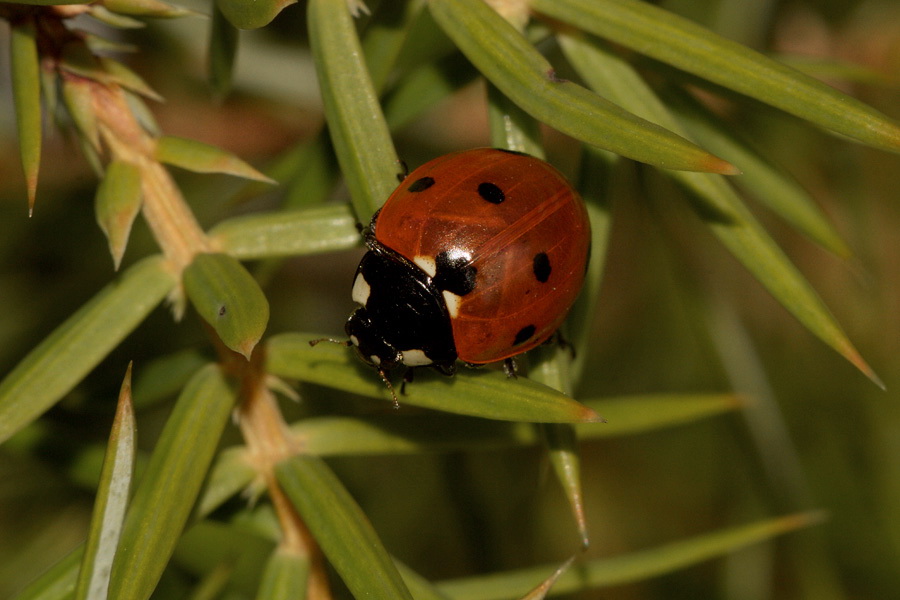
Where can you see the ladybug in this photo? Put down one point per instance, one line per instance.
(476, 257)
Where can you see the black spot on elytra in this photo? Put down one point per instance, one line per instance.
(491, 192)
(454, 274)
(541, 267)
(421, 184)
(524, 335)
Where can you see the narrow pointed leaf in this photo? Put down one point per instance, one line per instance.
(628, 415)
(252, 14)
(637, 566)
(345, 535)
(425, 87)
(596, 179)
(112, 19)
(521, 72)
(285, 577)
(203, 158)
(562, 447)
(116, 204)
(111, 502)
(305, 231)
(58, 582)
(144, 8)
(540, 592)
(78, 98)
(719, 205)
(230, 474)
(487, 394)
(415, 434)
(171, 483)
(223, 44)
(358, 130)
(128, 79)
(770, 186)
(26, 83)
(55, 366)
(672, 39)
(511, 127)
(229, 299)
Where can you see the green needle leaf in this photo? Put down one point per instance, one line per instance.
(674, 40)
(203, 158)
(223, 44)
(341, 528)
(628, 568)
(171, 484)
(229, 299)
(26, 84)
(285, 577)
(305, 231)
(506, 58)
(357, 126)
(49, 371)
(117, 203)
(718, 205)
(252, 14)
(487, 394)
(112, 500)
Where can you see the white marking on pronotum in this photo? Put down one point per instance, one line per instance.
(452, 301)
(376, 360)
(361, 290)
(354, 340)
(415, 358)
(427, 264)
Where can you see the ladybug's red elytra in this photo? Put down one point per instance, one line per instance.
(477, 256)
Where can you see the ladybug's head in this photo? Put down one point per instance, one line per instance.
(370, 343)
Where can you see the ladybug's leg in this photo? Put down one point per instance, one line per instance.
(561, 340)
(387, 382)
(510, 366)
(407, 378)
(403, 172)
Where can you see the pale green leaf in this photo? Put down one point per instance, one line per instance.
(144, 8)
(358, 130)
(637, 566)
(391, 434)
(116, 205)
(171, 483)
(506, 58)
(345, 535)
(111, 502)
(669, 38)
(767, 184)
(305, 231)
(285, 577)
(203, 158)
(229, 299)
(252, 14)
(55, 366)
(78, 97)
(718, 204)
(26, 84)
(482, 393)
(223, 45)
(118, 73)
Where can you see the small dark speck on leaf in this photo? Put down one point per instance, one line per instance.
(552, 76)
(222, 310)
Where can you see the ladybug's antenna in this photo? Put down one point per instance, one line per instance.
(390, 387)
